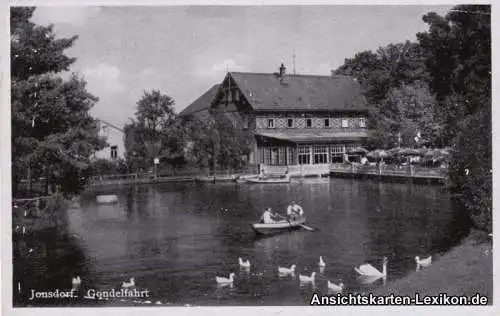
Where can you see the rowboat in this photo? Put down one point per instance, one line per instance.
(285, 179)
(107, 199)
(278, 227)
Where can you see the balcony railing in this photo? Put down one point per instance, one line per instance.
(391, 170)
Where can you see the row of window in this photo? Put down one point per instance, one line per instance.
(306, 154)
(326, 123)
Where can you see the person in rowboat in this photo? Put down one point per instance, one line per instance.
(294, 211)
(268, 217)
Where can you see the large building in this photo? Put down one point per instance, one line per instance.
(296, 119)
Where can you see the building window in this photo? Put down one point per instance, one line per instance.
(345, 123)
(362, 122)
(289, 123)
(308, 122)
(336, 153)
(282, 156)
(320, 154)
(350, 147)
(267, 155)
(270, 123)
(114, 152)
(327, 122)
(304, 154)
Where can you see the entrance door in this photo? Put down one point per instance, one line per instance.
(274, 156)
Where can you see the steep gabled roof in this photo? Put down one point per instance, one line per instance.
(266, 92)
(202, 103)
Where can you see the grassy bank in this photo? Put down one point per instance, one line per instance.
(465, 270)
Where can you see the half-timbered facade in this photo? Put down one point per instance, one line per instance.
(296, 119)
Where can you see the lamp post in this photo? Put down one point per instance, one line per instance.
(156, 162)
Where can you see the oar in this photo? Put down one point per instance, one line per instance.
(307, 227)
(301, 225)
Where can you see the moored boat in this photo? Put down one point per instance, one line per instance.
(105, 199)
(284, 179)
(278, 227)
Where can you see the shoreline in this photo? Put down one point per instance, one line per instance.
(466, 269)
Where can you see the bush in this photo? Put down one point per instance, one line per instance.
(473, 188)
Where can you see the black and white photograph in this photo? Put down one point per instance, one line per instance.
(283, 155)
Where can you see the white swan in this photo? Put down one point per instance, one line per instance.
(244, 264)
(222, 280)
(367, 270)
(76, 280)
(334, 287)
(321, 262)
(423, 262)
(304, 278)
(131, 283)
(290, 270)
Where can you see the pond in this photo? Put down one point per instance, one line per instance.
(175, 238)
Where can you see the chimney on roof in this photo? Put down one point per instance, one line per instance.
(282, 71)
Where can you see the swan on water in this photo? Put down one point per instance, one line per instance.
(290, 270)
(76, 281)
(223, 280)
(321, 262)
(334, 287)
(131, 283)
(244, 264)
(305, 278)
(368, 270)
(423, 263)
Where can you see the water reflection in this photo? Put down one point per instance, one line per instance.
(175, 238)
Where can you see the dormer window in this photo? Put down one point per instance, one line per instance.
(114, 152)
(327, 122)
(309, 123)
(289, 123)
(270, 123)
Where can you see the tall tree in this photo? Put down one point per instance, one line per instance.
(155, 112)
(458, 55)
(457, 50)
(393, 72)
(152, 133)
(53, 134)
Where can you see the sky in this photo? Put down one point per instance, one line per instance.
(184, 50)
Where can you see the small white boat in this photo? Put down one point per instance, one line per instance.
(270, 179)
(105, 199)
(277, 227)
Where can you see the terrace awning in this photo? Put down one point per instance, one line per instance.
(301, 136)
